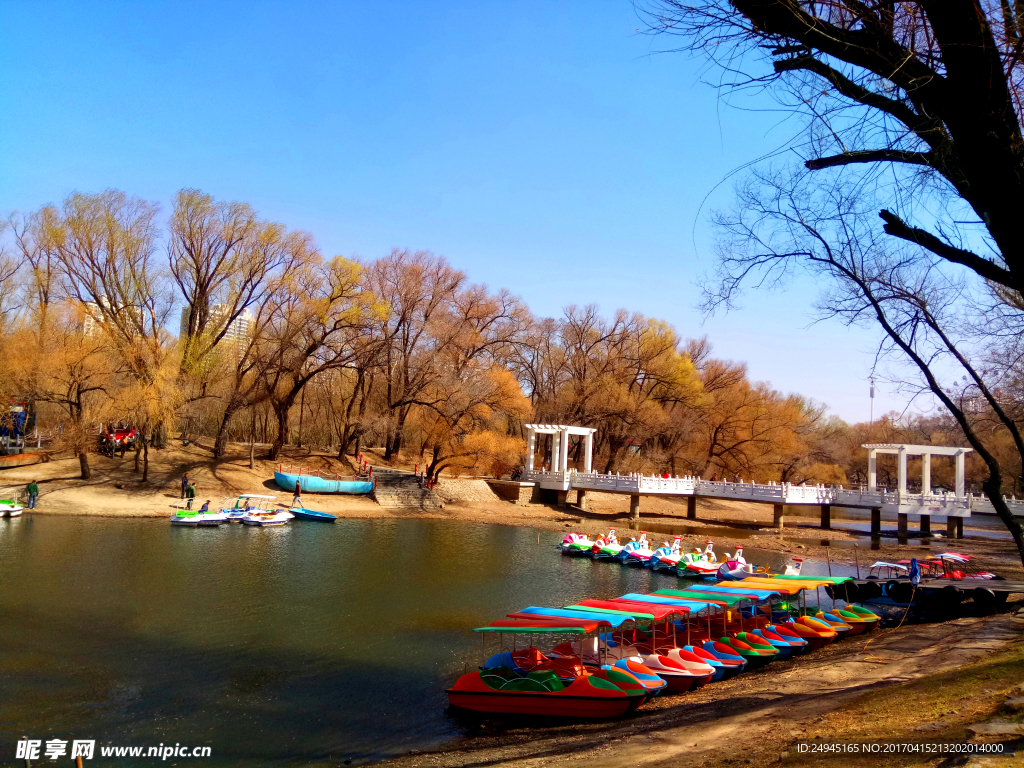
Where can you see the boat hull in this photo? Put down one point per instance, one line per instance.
(314, 484)
(21, 460)
(309, 514)
(578, 700)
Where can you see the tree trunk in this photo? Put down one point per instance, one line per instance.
(145, 460)
(992, 489)
(394, 445)
(83, 463)
(281, 410)
(220, 444)
(343, 440)
(614, 446)
(355, 446)
(252, 441)
(159, 437)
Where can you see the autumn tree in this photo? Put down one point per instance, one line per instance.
(68, 369)
(910, 177)
(313, 328)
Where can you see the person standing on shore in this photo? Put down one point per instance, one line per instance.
(184, 485)
(297, 499)
(190, 494)
(32, 489)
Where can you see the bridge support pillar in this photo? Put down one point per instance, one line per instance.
(634, 506)
(876, 522)
(581, 499)
(826, 517)
(954, 527)
(779, 514)
(901, 526)
(926, 525)
(691, 507)
(562, 496)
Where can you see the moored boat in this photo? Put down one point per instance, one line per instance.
(533, 687)
(317, 484)
(198, 518)
(8, 508)
(21, 459)
(311, 514)
(265, 517)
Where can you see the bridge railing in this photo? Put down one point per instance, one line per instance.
(680, 485)
(748, 491)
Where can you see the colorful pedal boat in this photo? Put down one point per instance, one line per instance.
(589, 696)
(816, 637)
(725, 666)
(870, 618)
(757, 653)
(787, 646)
(577, 545)
(841, 627)
(822, 628)
(726, 654)
(644, 674)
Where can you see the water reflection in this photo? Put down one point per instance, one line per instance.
(306, 642)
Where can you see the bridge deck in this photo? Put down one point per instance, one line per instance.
(945, 505)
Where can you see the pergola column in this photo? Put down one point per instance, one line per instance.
(634, 506)
(778, 514)
(960, 493)
(531, 448)
(563, 452)
(901, 525)
(954, 527)
(872, 470)
(876, 522)
(901, 471)
(826, 517)
(691, 507)
(926, 474)
(588, 453)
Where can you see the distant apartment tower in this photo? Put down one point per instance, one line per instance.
(238, 330)
(90, 318)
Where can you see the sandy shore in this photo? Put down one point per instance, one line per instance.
(115, 490)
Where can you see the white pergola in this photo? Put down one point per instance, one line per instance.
(902, 450)
(560, 445)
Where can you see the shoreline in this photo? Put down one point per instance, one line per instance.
(115, 491)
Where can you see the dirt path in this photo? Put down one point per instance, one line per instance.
(736, 720)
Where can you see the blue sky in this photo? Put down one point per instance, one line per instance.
(547, 148)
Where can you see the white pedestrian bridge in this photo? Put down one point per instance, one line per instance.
(555, 475)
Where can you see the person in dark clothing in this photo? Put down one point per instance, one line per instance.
(33, 493)
(184, 485)
(297, 499)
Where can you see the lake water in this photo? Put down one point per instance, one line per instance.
(271, 646)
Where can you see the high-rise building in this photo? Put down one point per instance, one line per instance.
(238, 330)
